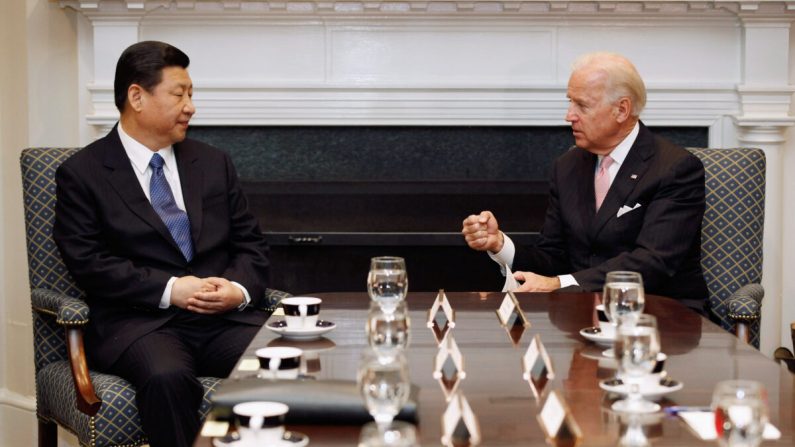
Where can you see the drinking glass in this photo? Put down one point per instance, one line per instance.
(740, 412)
(388, 332)
(395, 434)
(387, 281)
(636, 347)
(623, 295)
(384, 385)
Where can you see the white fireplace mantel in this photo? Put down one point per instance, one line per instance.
(720, 64)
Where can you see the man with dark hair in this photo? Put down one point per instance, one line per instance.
(156, 229)
(623, 199)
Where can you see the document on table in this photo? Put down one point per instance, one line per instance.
(510, 283)
(703, 425)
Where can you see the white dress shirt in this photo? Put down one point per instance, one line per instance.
(140, 156)
(619, 154)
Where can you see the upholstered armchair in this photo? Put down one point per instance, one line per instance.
(99, 408)
(731, 237)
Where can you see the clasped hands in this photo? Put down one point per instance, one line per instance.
(482, 233)
(206, 295)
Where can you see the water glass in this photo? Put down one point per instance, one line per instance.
(384, 385)
(740, 412)
(623, 295)
(636, 347)
(388, 332)
(395, 434)
(387, 281)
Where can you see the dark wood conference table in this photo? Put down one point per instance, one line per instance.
(699, 355)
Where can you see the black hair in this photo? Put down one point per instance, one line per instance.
(142, 63)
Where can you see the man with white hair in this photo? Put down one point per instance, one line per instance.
(622, 199)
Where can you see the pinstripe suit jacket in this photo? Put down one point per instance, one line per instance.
(660, 238)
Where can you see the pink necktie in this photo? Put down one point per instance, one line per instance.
(602, 181)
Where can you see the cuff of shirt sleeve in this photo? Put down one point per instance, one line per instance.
(165, 299)
(567, 280)
(505, 256)
(246, 296)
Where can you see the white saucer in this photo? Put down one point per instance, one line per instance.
(595, 335)
(652, 393)
(291, 439)
(280, 327)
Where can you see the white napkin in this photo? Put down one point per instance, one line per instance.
(703, 424)
(510, 282)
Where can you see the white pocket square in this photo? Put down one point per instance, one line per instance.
(625, 209)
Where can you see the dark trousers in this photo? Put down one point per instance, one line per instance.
(164, 365)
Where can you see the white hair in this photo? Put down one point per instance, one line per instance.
(623, 79)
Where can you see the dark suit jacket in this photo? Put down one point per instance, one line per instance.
(120, 252)
(661, 239)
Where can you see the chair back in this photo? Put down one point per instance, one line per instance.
(731, 235)
(46, 269)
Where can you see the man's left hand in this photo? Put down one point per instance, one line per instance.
(536, 283)
(225, 297)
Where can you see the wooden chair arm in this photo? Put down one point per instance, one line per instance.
(87, 400)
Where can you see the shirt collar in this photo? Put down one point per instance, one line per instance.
(619, 154)
(140, 155)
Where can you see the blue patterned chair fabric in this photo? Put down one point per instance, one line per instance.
(57, 303)
(731, 237)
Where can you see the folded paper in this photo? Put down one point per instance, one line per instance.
(702, 423)
(510, 282)
(537, 367)
(558, 423)
(441, 316)
(460, 426)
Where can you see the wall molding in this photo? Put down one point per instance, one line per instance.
(16, 400)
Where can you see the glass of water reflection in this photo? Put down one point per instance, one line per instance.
(623, 295)
(384, 385)
(388, 332)
(636, 347)
(740, 408)
(387, 281)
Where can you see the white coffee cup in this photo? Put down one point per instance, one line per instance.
(301, 312)
(280, 362)
(652, 380)
(607, 328)
(260, 423)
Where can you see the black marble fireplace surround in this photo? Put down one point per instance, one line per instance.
(329, 198)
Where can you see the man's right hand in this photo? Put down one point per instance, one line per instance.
(482, 232)
(184, 288)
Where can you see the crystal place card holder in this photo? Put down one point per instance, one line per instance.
(460, 427)
(512, 318)
(558, 423)
(448, 366)
(441, 316)
(537, 367)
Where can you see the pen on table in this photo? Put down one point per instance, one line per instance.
(676, 409)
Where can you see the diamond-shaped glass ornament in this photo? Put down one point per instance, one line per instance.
(448, 367)
(537, 367)
(512, 318)
(460, 426)
(441, 317)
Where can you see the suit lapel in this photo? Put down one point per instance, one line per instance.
(122, 178)
(585, 193)
(191, 179)
(627, 178)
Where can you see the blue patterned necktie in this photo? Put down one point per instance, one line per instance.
(163, 202)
